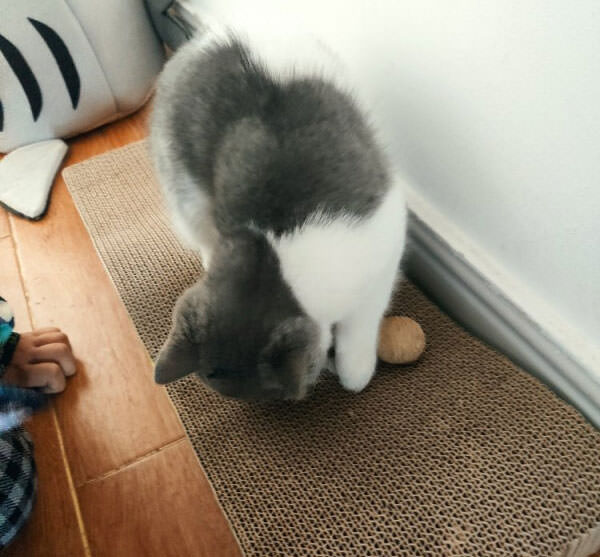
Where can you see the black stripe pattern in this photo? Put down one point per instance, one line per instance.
(21, 68)
(1, 117)
(63, 58)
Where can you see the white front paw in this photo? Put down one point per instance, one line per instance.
(355, 370)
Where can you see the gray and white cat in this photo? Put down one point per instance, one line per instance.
(276, 179)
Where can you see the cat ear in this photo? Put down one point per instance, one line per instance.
(178, 357)
(292, 346)
(289, 342)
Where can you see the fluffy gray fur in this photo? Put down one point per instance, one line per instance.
(268, 153)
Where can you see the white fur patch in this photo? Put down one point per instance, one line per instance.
(332, 266)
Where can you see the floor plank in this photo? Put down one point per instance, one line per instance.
(112, 412)
(53, 528)
(162, 505)
(4, 228)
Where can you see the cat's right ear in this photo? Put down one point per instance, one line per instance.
(178, 357)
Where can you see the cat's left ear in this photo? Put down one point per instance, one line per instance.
(177, 358)
(292, 346)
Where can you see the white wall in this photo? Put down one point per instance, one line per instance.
(492, 110)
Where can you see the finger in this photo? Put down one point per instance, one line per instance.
(46, 375)
(56, 352)
(53, 337)
(43, 330)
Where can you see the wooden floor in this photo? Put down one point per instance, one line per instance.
(117, 476)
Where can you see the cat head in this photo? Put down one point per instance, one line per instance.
(241, 329)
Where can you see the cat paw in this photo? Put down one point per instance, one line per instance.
(355, 371)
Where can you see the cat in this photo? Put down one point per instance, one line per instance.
(273, 174)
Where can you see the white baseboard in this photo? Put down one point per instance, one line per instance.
(461, 290)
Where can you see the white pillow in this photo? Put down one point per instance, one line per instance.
(65, 68)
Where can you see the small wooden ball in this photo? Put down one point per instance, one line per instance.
(401, 340)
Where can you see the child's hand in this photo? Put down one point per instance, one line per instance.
(42, 358)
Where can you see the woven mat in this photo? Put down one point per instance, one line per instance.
(460, 454)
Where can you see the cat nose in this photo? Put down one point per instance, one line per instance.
(274, 388)
(220, 373)
(288, 391)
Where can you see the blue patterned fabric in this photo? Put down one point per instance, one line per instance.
(18, 478)
(16, 405)
(18, 482)
(8, 339)
(7, 321)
